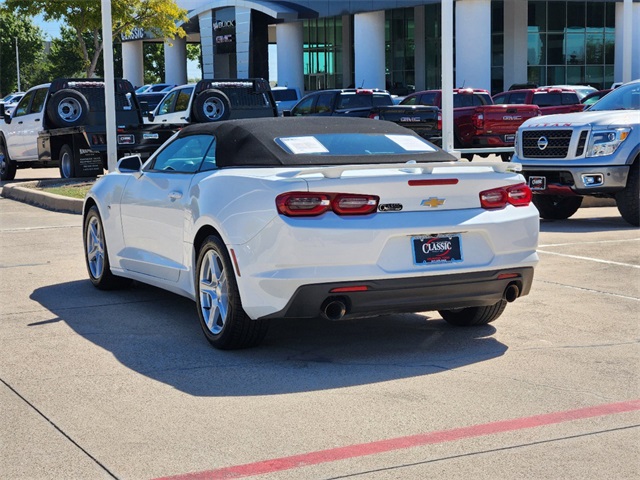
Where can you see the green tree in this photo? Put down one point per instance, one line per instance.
(85, 17)
(65, 59)
(153, 62)
(30, 49)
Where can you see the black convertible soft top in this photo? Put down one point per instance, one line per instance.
(251, 142)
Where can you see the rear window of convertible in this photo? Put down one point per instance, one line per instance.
(354, 144)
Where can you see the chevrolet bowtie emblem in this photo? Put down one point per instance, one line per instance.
(432, 202)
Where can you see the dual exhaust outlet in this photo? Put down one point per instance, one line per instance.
(335, 308)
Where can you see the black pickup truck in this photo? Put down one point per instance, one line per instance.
(371, 103)
(63, 124)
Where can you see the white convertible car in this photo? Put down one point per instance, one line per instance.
(343, 218)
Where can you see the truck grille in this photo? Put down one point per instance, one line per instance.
(557, 143)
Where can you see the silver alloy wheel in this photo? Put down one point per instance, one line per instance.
(214, 292)
(213, 108)
(69, 109)
(95, 247)
(65, 164)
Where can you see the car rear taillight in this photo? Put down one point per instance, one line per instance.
(308, 204)
(439, 120)
(374, 116)
(517, 195)
(299, 204)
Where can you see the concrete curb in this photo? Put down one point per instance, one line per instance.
(27, 192)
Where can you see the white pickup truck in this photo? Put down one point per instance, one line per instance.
(591, 153)
(63, 124)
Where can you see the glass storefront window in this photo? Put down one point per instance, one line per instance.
(399, 51)
(323, 53)
(570, 42)
(576, 15)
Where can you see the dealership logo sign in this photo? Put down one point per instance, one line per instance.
(220, 24)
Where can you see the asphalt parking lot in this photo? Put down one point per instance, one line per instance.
(123, 384)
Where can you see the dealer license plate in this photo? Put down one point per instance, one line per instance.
(442, 249)
(537, 183)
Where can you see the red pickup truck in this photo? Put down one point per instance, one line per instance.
(478, 123)
(551, 100)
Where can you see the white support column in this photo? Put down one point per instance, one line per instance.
(133, 62)
(243, 37)
(446, 10)
(369, 49)
(289, 40)
(206, 43)
(473, 43)
(420, 48)
(627, 60)
(515, 42)
(175, 61)
(347, 41)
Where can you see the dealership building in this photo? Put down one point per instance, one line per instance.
(397, 44)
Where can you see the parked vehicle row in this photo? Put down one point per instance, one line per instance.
(63, 123)
(478, 122)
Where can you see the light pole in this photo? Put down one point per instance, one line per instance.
(18, 64)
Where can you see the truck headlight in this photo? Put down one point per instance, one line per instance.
(606, 142)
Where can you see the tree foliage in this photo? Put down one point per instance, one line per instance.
(84, 18)
(30, 48)
(65, 58)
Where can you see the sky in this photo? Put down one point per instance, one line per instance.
(51, 29)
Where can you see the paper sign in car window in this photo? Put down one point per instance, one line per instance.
(302, 145)
(411, 144)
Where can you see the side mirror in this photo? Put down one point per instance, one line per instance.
(130, 164)
(286, 113)
(5, 115)
(151, 116)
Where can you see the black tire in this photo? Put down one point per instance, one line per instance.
(224, 323)
(506, 157)
(211, 106)
(96, 255)
(628, 199)
(7, 167)
(66, 162)
(473, 316)
(67, 108)
(556, 207)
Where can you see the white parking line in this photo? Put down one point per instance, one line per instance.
(591, 290)
(598, 260)
(587, 243)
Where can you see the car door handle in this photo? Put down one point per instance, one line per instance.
(175, 195)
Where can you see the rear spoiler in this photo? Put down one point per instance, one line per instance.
(417, 168)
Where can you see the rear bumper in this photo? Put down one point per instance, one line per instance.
(505, 140)
(404, 295)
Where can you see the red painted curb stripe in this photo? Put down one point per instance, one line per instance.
(341, 453)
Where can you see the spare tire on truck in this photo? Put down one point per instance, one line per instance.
(67, 108)
(211, 106)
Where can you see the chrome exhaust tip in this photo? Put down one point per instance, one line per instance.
(511, 293)
(333, 309)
